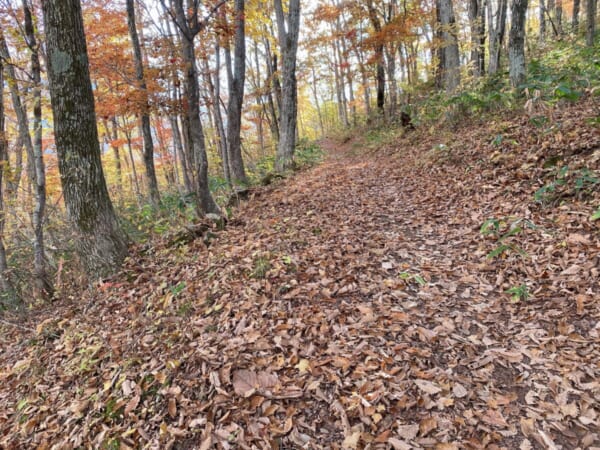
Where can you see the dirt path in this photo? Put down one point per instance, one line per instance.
(351, 306)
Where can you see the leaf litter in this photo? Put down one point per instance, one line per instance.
(350, 307)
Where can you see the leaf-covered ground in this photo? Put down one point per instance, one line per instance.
(351, 306)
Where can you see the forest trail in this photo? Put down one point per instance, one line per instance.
(350, 307)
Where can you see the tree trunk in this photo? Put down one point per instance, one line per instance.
(189, 27)
(100, 242)
(236, 97)
(558, 15)
(316, 99)
(376, 23)
(451, 61)
(272, 82)
(260, 110)
(477, 22)
(339, 86)
(19, 108)
(591, 22)
(215, 88)
(497, 29)
(575, 18)
(7, 292)
(288, 30)
(43, 286)
(516, 44)
(117, 154)
(392, 83)
(148, 152)
(134, 183)
(542, 20)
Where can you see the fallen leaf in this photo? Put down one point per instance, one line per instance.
(408, 432)
(247, 382)
(397, 444)
(459, 390)
(427, 386)
(303, 365)
(131, 405)
(495, 418)
(427, 425)
(351, 441)
(172, 407)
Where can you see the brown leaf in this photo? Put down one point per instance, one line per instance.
(172, 407)
(131, 405)
(580, 300)
(247, 382)
(427, 425)
(495, 418)
(572, 270)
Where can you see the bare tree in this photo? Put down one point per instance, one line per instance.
(187, 20)
(43, 286)
(148, 152)
(287, 30)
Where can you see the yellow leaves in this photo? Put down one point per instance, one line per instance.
(351, 440)
(21, 365)
(303, 366)
(173, 364)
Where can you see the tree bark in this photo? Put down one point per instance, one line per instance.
(117, 153)
(100, 242)
(516, 44)
(451, 61)
(43, 286)
(19, 108)
(477, 22)
(376, 23)
(591, 22)
(236, 98)
(497, 29)
(272, 93)
(148, 152)
(7, 294)
(288, 31)
(575, 18)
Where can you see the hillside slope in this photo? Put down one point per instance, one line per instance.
(351, 306)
